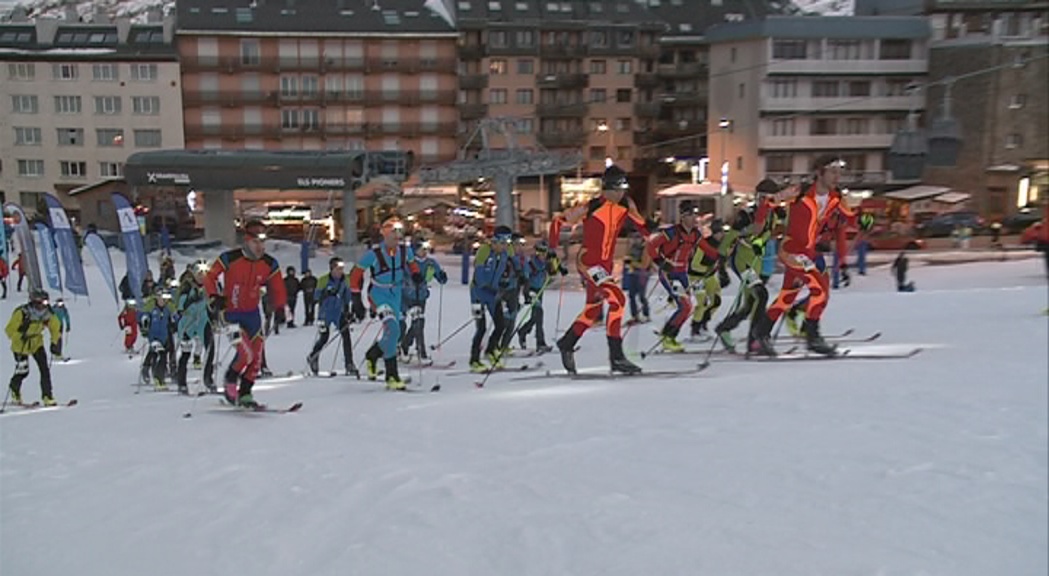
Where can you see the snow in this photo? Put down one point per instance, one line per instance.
(935, 465)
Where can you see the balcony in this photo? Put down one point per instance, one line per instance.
(472, 51)
(677, 128)
(847, 67)
(382, 98)
(647, 109)
(566, 81)
(231, 65)
(846, 104)
(566, 139)
(411, 65)
(562, 51)
(631, 50)
(229, 99)
(683, 99)
(683, 70)
(473, 111)
(513, 50)
(409, 129)
(473, 81)
(835, 142)
(568, 110)
(647, 80)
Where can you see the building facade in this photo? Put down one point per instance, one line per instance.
(1000, 56)
(790, 89)
(79, 98)
(316, 75)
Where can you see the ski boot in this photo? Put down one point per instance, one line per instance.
(495, 360)
(159, 385)
(196, 362)
(312, 362)
(48, 401)
(265, 372)
(725, 337)
(566, 345)
(670, 344)
(791, 320)
(759, 342)
(183, 390)
(618, 360)
(247, 401)
(351, 370)
(209, 385)
(543, 349)
(478, 367)
(372, 365)
(16, 396)
(814, 342)
(393, 378)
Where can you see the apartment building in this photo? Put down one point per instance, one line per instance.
(79, 98)
(568, 70)
(789, 89)
(319, 74)
(1000, 55)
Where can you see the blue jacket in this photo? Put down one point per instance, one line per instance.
(333, 296)
(160, 320)
(538, 269)
(418, 294)
(492, 272)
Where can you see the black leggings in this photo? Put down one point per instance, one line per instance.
(40, 356)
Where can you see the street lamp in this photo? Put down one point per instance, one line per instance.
(724, 124)
(604, 128)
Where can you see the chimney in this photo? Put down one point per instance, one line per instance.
(155, 15)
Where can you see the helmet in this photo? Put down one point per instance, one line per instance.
(518, 238)
(614, 178)
(503, 234)
(767, 186)
(717, 225)
(38, 296)
(335, 262)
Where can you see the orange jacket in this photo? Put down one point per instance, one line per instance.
(602, 223)
(806, 226)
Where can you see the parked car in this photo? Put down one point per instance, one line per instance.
(1022, 220)
(1032, 233)
(944, 224)
(889, 240)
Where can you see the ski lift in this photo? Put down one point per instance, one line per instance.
(909, 151)
(945, 134)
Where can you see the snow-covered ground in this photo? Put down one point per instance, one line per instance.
(933, 466)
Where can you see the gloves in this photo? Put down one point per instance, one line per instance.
(504, 283)
(358, 306)
(563, 270)
(56, 348)
(417, 277)
(143, 323)
(127, 329)
(441, 276)
(758, 244)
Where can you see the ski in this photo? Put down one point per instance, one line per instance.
(260, 409)
(332, 374)
(515, 368)
(841, 354)
(827, 337)
(273, 376)
(430, 366)
(613, 375)
(38, 405)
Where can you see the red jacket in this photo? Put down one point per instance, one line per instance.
(129, 317)
(676, 245)
(242, 280)
(806, 227)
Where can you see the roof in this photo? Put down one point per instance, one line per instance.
(94, 185)
(253, 17)
(686, 20)
(819, 27)
(917, 193)
(592, 13)
(952, 197)
(73, 41)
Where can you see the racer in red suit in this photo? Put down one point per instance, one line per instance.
(245, 271)
(817, 218)
(128, 322)
(603, 219)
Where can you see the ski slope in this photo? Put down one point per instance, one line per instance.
(934, 466)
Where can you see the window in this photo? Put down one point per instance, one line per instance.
(24, 104)
(109, 137)
(526, 66)
(429, 147)
(782, 88)
(598, 95)
(625, 67)
(823, 126)
(894, 124)
(497, 38)
(289, 87)
(788, 49)
(739, 162)
(497, 96)
(144, 72)
(30, 198)
(390, 55)
(145, 105)
(524, 125)
(854, 162)
(625, 39)
(289, 119)
(391, 86)
(895, 50)
(70, 136)
(65, 71)
(310, 86)
(21, 71)
(859, 89)
(110, 169)
(624, 95)
(742, 90)
(825, 89)
(27, 137)
(898, 87)
(524, 96)
(428, 87)
(249, 52)
(311, 119)
(1014, 140)
(1018, 101)
(67, 105)
(107, 105)
(623, 124)
(31, 168)
(73, 169)
(783, 127)
(211, 118)
(597, 67)
(779, 163)
(525, 38)
(844, 49)
(598, 38)
(147, 139)
(104, 72)
(252, 119)
(497, 67)
(857, 126)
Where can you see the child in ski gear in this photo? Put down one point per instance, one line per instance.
(491, 277)
(818, 215)
(671, 249)
(510, 298)
(603, 219)
(415, 297)
(387, 265)
(539, 269)
(156, 319)
(25, 329)
(635, 281)
(308, 286)
(899, 268)
(192, 306)
(291, 288)
(128, 322)
(245, 271)
(333, 294)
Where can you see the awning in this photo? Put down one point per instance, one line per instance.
(917, 193)
(705, 189)
(952, 197)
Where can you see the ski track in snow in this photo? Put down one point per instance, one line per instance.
(933, 465)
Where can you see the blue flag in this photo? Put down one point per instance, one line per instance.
(100, 253)
(26, 246)
(134, 252)
(47, 248)
(63, 236)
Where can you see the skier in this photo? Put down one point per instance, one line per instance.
(156, 319)
(603, 219)
(899, 268)
(308, 285)
(333, 295)
(25, 329)
(20, 266)
(539, 271)
(387, 264)
(817, 212)
(670, 249)
(193, 321)
(128, 322)
(635, 281)
(291, 288)
(707, 276)
(3, 277)
(245, 271)
(63, 315)
(167, 270)
(415, 297)
(744, 258)
(491, 277)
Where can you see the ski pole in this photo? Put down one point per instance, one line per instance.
(7, 396)
(440, 313)
(452, 335)
(648, 296)
(560, 300)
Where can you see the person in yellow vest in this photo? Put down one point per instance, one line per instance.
(26, 332)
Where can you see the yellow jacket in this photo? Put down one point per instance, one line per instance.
(27, 335)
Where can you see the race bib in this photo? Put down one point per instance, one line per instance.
(599, 275)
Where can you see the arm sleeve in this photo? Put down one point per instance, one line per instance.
(277, 293)
(12, 325)
(211, 279)
(636, 217)
(796, 239)
(322, 284)
(847, 219)
(654, 246)
(357, 274)
(54, 326)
